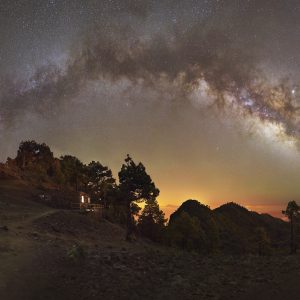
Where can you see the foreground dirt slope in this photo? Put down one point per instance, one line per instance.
(56, 254)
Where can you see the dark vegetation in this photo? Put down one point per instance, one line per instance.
(228, 229)
(292, 212)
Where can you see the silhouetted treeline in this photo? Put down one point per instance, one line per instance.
(64, 176)
(230, 228)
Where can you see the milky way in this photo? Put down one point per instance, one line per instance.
(237, 61)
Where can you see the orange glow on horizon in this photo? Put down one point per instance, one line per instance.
(274, 210)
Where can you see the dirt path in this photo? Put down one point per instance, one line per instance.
(34, 251)
(19, 248)
(34, 264)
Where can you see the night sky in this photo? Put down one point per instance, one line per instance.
(205, 93)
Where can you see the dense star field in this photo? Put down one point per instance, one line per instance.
(204, 93)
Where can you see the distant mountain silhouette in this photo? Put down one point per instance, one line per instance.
(237, 227)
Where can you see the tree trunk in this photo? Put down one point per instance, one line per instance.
(23, 161)
(293, 249)
(76, 183)
(129, 222)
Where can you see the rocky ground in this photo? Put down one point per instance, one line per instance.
(55, 254)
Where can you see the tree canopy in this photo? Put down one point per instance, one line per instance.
(152, 221)
(31, 152)
(100, 182)
(136, 186)
(292, 212)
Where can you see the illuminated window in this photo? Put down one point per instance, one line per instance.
(82, 199)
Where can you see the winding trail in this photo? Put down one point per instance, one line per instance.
(19, 249)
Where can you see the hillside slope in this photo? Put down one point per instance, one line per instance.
(235, 226)
(47, 253)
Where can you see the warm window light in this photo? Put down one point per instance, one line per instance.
(82, 199)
